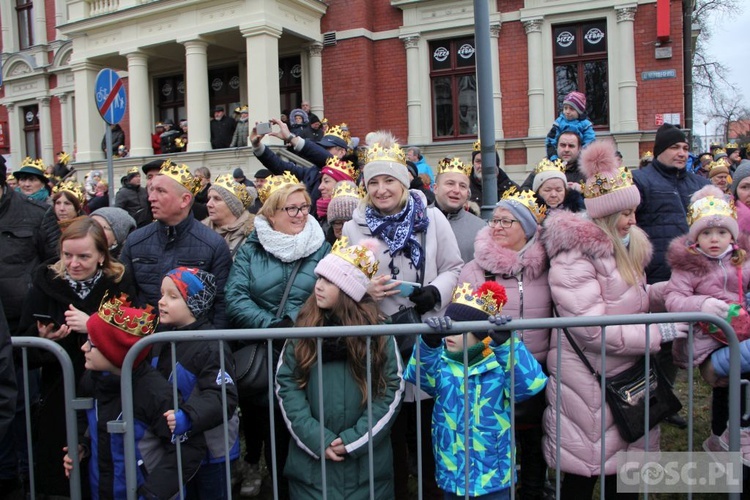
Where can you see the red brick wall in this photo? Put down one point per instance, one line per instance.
(49, 9)
(514, 79)
(368, 14)
(515, 156)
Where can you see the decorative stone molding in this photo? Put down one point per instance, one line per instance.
(19, 69)
(315, 49)
(495, 30)
(626, 14)
(411, 41)
(10, 106)
(44, 101)
(63, 98)
(533, 25)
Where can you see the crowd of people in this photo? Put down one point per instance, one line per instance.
(366, 236)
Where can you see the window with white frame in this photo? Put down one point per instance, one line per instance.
(454, 88)
(25, 17)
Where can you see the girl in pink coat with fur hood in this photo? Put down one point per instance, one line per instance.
(596, 269)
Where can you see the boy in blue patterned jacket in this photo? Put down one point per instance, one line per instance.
(442, 376)
(572, 118)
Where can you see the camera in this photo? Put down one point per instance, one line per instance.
(263, 128)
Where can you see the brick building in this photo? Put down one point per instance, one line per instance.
(405, 65)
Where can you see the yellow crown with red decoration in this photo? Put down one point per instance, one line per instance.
(37, 164)
(721, 162)
(341, 131)
(141, 324)
(527, 198)
(345, 167)
(601, 184)
(241, 109)
(274, 183)
(134, 170)
(489, 298)
(63, 158)
(394, 154)
(477, 146)
(227, 182)
(711, 205)
(359, 256)
(181, 174)
(719, 151)
(346, 188)
(71, 187)
(547, 165)
(453, 166)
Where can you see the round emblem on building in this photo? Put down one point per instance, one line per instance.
(594, 36)
(234, 82)
(29, 116)
(565, 39)
(166, 89)
(181, 87)
(441, 54)
(296, 71)
(466, 51)
(216, 84)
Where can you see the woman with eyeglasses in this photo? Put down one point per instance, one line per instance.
(287, 241)
(64, 293)
(509, 252)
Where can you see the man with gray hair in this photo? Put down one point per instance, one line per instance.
(413, 154)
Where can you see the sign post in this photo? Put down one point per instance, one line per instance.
(111, 101)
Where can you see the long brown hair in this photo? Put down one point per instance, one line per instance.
(350, 313)
(79, 228)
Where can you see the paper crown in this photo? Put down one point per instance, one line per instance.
(721, 162)
(705, 155)
(345, 188)
(648, 154)
(453, 165)
(274, 183)
(113, 312)
(227, 182)
(63, 158)
(37, 164)
(601, 184)
(711, 205)
(392, 154)
(134, 170)
(477, 146)
(359, 256)
(489, 298)
(720, 151)
(526, 198)
(159, 124)
(10, 177)
(180, 142)
(732, 145)
(547, 165)
(241, 109)
(71, 187)
(181, 174)
(345, 167)
(341, 131)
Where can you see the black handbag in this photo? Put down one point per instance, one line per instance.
(626, 391)
(251, 361)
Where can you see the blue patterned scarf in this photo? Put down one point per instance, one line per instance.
(398, 231)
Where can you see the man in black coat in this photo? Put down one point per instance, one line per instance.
(133, 198)
(222, 129)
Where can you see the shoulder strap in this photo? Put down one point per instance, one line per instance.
(577, 349)
(289, 282)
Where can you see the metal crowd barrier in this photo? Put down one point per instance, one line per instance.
(126, 425)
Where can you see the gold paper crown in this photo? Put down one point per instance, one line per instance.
(648, 154)
(453, 165)
(227, 182)
(600, 184)
(179, 142)
(181, 174)
(72, 187)
(340, 131)
(275, 182)
(392, 154)
(486, 301)
(134, 321)
(527, 198)
(159, 124)
(324, 120)
(241, 109)
(10, 177)
(37, 164)
(134, 170)
(359, 256)
(732, 145)
(63, 158)
(711, 205)
(720, 151)
(346, 188)
(345, 167)
(547, 165)
(477, 146)
(705, 155)
(721, 162)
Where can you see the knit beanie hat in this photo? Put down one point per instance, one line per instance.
(731, 147)
(719, 154)
(350, 267)
(386, 157)
(117, 326)
(119, 220)
(666, 136)
(411, 167)
(546, 170)
(524, 208)
(709, 207)
(197, 287)
(238, 173)
(577, 101)
(742, 171)
(609, 189)
(345, 200)
(717, 167)
(235, 195)
(468, 304)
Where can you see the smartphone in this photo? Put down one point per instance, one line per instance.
(263, 128)
(405, 288)
(46, 319)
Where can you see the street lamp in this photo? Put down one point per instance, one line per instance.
(705, 134)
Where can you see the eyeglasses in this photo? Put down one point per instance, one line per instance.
(294, 211)
(505, 223)
(91, 344)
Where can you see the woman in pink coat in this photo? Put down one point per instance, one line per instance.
(510, 253)
(596, 269)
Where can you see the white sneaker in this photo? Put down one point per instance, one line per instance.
(744, 443)
(252, 480)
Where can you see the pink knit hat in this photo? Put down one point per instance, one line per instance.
(576, 100)
(350, 267)
(710, 207)
(609, 189)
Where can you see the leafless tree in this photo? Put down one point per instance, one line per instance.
(727, 109)
(710, 75)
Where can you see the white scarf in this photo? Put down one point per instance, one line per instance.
(288, 247)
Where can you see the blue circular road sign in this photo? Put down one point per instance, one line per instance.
(110, 97)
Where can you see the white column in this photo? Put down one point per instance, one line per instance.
(66, 118)
(627, 85)
(138, 105)
(533, 29)
(497, 95)
(315, 58)
(196, 83)
(413, 97)
(8, 35)
(16, 135)
(40, 24)
(45, 127)
(89, 125)
(262, 51)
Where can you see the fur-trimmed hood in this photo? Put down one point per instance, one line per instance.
(564, 231)
(498, 260)
(679, 257)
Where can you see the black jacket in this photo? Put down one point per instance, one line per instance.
(503, 184)
(8, 386)
(134, 200)
(222, 132)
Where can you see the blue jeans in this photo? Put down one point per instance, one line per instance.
(495, 495)
(209, 483)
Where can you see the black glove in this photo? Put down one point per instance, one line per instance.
(286, 322)
(425, 298)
